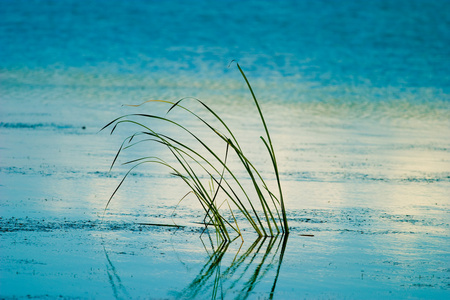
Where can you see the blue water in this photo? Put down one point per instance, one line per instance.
(357, 98)
(402, 44)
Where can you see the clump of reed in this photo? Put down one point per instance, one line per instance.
(209, 175)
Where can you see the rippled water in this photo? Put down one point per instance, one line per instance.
(385, 43)
(356, 96)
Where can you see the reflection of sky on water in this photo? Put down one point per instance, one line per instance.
(377, 206)
(355, 95)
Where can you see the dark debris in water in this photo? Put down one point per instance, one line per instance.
(358, 220)
(44, 225)
(65, 128)
(67, 173)
(358, 176)
(35, 125)
(363, 221)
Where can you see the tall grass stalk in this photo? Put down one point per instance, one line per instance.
(208, 174)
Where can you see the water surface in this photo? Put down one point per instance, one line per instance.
(356, 96)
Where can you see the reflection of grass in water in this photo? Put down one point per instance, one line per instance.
(117, 286)
(206, 173)
(243, 274)
(220, 275)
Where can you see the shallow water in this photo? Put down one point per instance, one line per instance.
(356, 98)
(376, 205)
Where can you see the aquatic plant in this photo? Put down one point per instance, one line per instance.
(207, 173)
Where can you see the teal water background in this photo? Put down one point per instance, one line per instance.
(376, 59)
(400, 44)
(356, 95)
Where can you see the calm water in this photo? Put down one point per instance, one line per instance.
(380, 59)
(356, 95)
(378, 44)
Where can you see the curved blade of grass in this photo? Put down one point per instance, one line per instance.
(201, 192)
(284, 224)
(238, 150)
(192, 179)
(159, 136)
(119, 121)
(242, 209)
(283, 210)
(240, 155)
